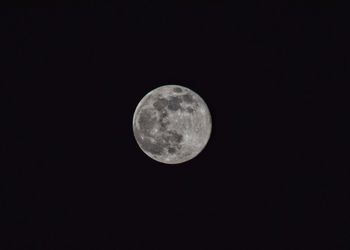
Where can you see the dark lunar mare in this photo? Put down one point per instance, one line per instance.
(188, 98)
(160, 104)
(163, 122)
(170, 138)
(171, 150)
(177, 89)
(147, 145)
(146, 123)
(167, 139)
(190, 110)
(174, 103)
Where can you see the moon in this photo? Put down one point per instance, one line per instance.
(172, 124)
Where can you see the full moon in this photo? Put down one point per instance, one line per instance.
(172, 124)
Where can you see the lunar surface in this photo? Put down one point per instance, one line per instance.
(172, 124)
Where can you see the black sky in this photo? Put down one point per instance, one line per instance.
(74, 177)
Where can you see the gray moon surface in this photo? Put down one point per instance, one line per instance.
(172, 124)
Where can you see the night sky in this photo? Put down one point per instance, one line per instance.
(271, 176)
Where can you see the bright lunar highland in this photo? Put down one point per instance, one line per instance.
(172, 124)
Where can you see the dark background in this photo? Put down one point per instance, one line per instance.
(73, 176)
